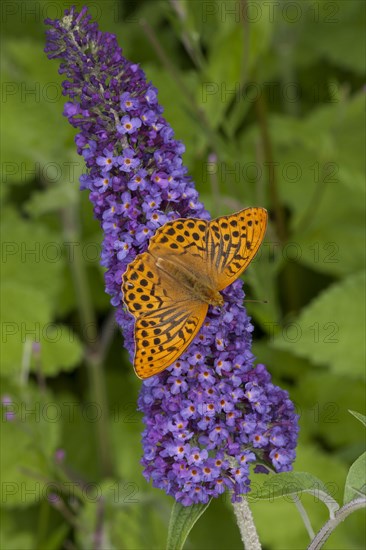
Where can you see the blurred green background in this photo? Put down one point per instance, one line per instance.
(268, 98)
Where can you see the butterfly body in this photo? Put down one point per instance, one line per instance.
(193, 282)
(169, 288)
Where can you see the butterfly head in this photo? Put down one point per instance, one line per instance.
(212, 297)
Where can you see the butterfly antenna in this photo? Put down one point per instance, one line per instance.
(257, 301)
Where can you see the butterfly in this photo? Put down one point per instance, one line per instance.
(169, 288)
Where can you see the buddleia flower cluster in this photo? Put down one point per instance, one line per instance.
(213, 413)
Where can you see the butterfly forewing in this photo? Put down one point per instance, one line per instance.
(233, 242)
(182, 237)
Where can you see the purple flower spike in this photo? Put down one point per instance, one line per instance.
(212, 413)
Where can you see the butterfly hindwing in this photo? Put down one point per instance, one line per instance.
(161, 337)
(141, 286)
(167, 317)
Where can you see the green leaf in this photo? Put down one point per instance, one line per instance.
(32, 255)
(13, 536)
(330, 243)
(24, 314)
(79, 422)
(333, 134)
(32, 437)
(322, 400)
(179, 113)
(234, 52)
(261, 276)
(359, 416)
(60, 350)
(330, 27)
(35, 99)
(349, 137)
(356, 480)
(222, 74)
(185, 21)
(330, 331)
(269, 514)
(56, 538)
(25, 318)
(318, 164)
(33, 262)
(182, 520)
(52, 199)
(293, 483)
(131, 519)
(324, 156)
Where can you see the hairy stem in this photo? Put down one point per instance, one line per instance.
(328, 528)
(244, 518)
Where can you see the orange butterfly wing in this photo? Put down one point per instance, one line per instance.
(233, 241)
(167, 316)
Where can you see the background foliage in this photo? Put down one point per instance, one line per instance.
(268, 99)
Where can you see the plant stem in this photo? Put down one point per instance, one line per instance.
(191, 45)
(43, 522)
(243, 7)
(304, 515)
(98, 386)
(288, 276)
(315, 201)
(246, 525)
(328, 528)
(216, 143)
(278, 211)
(214, 183)
(234, 114)
(25, 365)
(92, 356)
